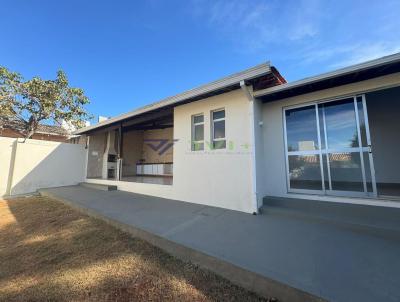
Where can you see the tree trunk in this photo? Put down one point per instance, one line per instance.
(31, 129)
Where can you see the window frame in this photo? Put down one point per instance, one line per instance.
(213, 121)
(193, 141)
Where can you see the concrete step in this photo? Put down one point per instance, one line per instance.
(378, 220)
(98, 186)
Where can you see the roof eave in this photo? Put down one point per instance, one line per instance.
(330, 75)
(51, 133)
(234, 79)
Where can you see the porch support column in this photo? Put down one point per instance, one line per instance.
(87, 145)
(120, 144)
(253, 173)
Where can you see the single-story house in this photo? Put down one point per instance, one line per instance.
(231, 142)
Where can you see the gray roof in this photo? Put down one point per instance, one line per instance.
(351, 70)
(195, 93)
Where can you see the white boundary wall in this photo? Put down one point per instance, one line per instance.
(26, 167)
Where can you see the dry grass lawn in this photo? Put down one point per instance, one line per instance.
(50, 252)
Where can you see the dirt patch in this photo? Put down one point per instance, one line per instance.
(49, 251)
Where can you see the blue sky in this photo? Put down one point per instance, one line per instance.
(125, 54)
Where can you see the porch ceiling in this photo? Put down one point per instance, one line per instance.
(158, 119)
(162, 122)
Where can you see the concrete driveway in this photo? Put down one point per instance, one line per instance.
(326, 260)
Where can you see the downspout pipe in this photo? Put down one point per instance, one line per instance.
(120, 151)
(250, 98)
(87, 146)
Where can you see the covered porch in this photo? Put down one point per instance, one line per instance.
(139, 150)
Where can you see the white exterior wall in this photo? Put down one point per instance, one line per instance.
(35, 164)
(259, 148)
(220, 178)
(273, 161)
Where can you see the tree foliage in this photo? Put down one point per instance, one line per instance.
(34, 101)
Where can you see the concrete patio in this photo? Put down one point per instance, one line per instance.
(333, 261)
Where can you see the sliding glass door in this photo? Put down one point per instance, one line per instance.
(328, 148)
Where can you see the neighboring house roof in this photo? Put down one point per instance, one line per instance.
(42, 129)
(259, 76)
(51, 129)
(355, 73)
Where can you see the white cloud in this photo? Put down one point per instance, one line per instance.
(255, 24)
(365, 52)
(306, 33)
(348, 54)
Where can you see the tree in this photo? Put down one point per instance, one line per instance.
(32, 102)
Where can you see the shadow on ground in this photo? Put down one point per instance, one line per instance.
(51, 252)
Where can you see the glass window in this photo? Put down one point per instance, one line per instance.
(343, 169)
(198, 119)
(325, 171)
(346, 172)
(218, 114)
(197, 146)
(368, 175)
(305, 172)
(198, 132)
(321, 119)
(218, 129)
(341, 124)
(301, 129)
(361, 117)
